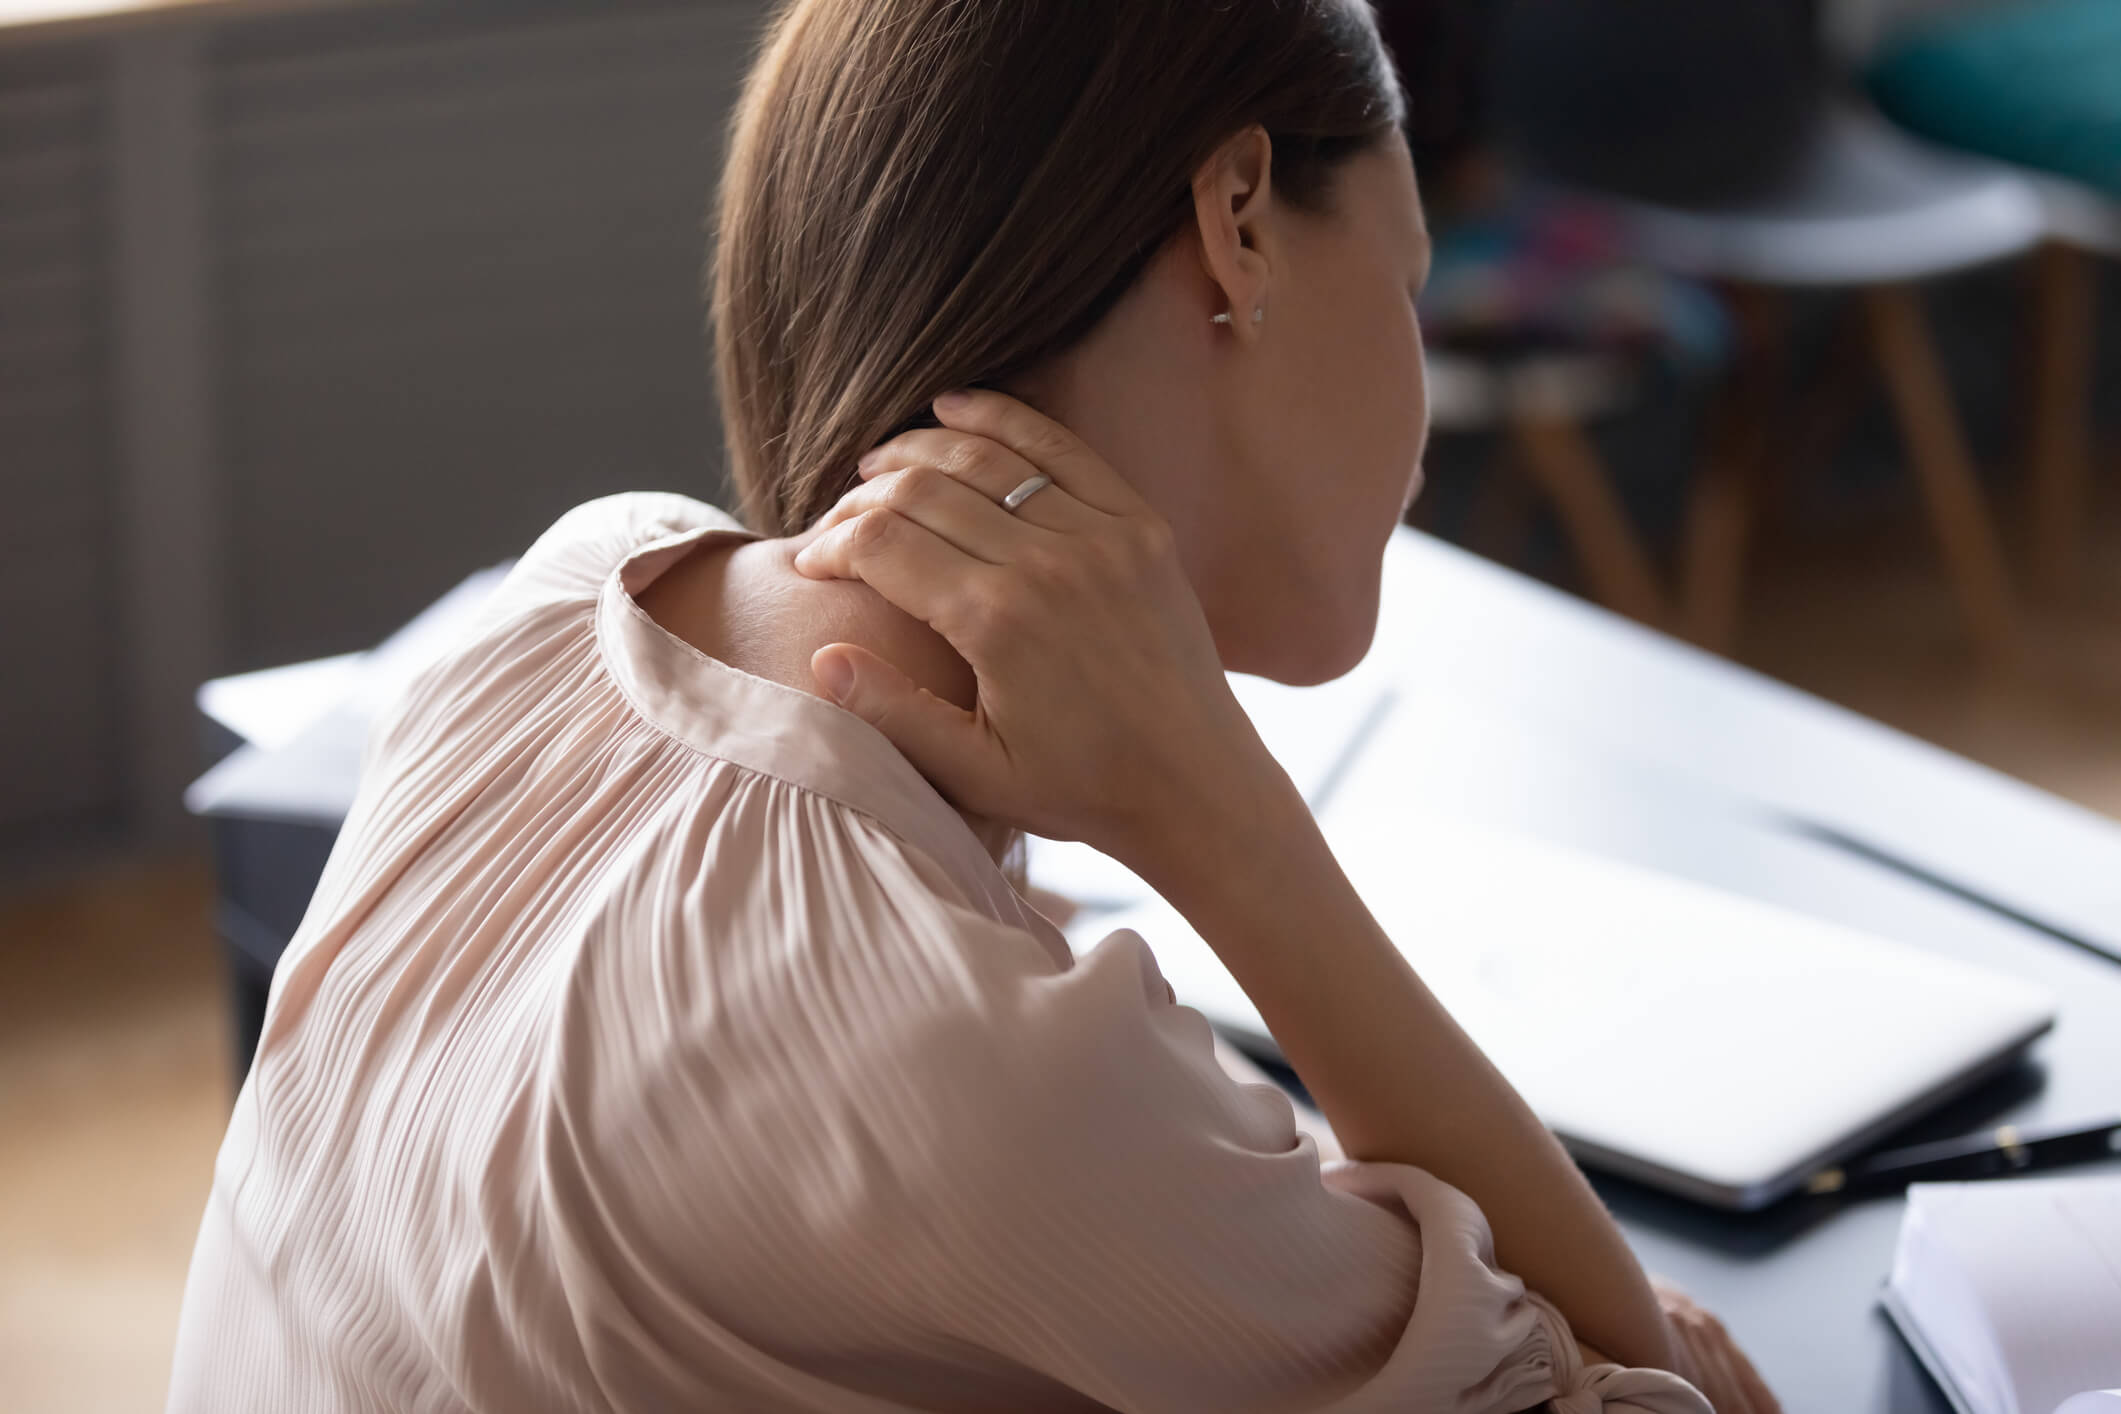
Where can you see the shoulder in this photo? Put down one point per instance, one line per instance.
(502, 647)
(553, 582)
(752, 609)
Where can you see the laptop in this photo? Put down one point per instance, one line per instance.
(1681, 1035)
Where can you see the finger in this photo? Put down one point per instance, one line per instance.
(987, 467)
(1686, 1321)
(944, 742)
(948, 508)
(1720, 1381)
(908, 564)
(1736, 1372)
(1668, 1292)
(1756, 1388)
(1042, 442)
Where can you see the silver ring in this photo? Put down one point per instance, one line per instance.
(1030, 487)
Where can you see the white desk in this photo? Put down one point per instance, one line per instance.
(1466, 637)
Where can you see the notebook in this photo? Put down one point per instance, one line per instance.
(1691, 1038)
(2009, 1291)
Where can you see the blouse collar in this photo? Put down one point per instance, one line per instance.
(779, 731)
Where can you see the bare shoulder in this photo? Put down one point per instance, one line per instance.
(747, 606)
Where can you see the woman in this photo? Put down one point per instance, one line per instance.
(666, 1036)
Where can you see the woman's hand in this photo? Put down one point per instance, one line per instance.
(1720, 1369)
(1708, 1358)
(1102, 713)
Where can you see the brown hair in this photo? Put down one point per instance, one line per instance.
(927, 194)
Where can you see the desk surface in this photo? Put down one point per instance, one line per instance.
(1537, 712)
(1503, 643)
(1797, 1283)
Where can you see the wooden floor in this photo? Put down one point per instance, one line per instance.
(1868, 622)
(112, 1063)
(113, 1088)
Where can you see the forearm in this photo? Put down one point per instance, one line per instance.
(1397, 1077)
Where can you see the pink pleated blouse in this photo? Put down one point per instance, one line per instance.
(658, 1039)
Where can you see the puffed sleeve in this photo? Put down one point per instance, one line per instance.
(847, 1137)
(1133, 1224)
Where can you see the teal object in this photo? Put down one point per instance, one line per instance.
(2037, 82)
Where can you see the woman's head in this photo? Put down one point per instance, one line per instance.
(1053, 197)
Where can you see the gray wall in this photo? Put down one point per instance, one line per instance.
(302, 316)
(61, 706)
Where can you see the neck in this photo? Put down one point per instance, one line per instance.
(1120, 393)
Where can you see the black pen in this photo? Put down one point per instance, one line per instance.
(1990, 1153)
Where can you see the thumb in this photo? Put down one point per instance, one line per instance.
(942, 741)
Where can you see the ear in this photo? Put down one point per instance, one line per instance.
(1232, 194)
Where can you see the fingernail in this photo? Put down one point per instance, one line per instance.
(953, 401)
(866, 462)
(836, 676)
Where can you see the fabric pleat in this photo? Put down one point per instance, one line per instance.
(658, 1039)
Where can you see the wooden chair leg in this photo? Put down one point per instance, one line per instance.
(1722, 504)
(1561, 459)
(1499, 525)
(1819, 420)
(2058, 427)
(1936, 445)
(1719, 525)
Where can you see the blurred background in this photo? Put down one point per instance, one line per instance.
(1788, 327)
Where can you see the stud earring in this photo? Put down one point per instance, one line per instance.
(1224, 318)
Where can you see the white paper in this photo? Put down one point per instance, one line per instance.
(270, 707)
(1312, 731)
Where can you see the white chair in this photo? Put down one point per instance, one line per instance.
(1873, 211)
(2081, 226)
